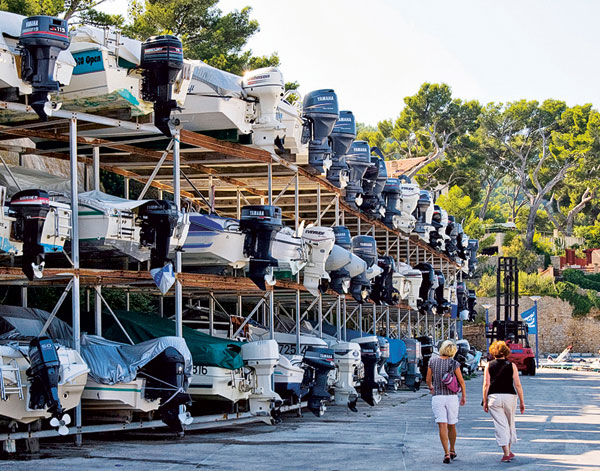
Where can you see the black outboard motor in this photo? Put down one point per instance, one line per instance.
(341, 276)
(462, 300)
(364, 247)
(435, 238)
(161, 61)
(260, 223)
(370, 356)
(44, 374)
(344, 132)
(41, 41)
(461, 248)
(319, 362)
(358, 159)
(423, 227)
(428, 286)
(471, 303)
(320, 113)
(462, 350)
(427, 352)
(166, 380)
(410, 367)
(30, 208)
(472, 249)
(373, 184)
(391, 195)
(159, 219)
(451, 242)
(383, 291)
(443, 305)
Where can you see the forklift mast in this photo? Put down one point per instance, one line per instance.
(507, 293)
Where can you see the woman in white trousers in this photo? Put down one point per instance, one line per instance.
(501, 386)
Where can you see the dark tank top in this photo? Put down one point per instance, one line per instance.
(501, 377)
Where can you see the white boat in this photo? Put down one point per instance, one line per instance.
(319, 242)
(220, 384)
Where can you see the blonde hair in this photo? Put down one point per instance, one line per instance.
(499, 349)
(448, 348)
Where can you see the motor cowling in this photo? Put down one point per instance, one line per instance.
(338, 259)
(41, 41)
(472, 249)
(161, 62)
(260, 223)
(342, 135)
(358, 159)
(451, 241)
(267, 86)
(44, 374)
(373, 184)
(364, 247)
(462, 300)
(427, 352)
(30, 208)
(424, 215)
(370, 356)
(411, 373)
(383, 291)
(442, 304)
(428, 287)
(158, 221)
(166, 380)
(320, 113)
(319, 361)
(319, 242)
(471, 303)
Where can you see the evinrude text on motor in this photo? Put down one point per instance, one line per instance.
(320, 113)
(370, 389)
(162, 61)
(319, 242)
(342, 135)
(260, 223)
(358, 159)
(42, 39)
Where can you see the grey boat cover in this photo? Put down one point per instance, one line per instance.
(32, 178)
(223, 83)
(109, 362)
(106, 203)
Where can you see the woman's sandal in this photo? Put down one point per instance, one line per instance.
(447, 458)
(452, 455)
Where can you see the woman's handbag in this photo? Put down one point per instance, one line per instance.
(450, 381)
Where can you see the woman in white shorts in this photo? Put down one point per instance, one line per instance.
(445, 402)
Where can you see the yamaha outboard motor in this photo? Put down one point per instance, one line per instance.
(159, 219)
(424, 215)
(344, 132)
(428, 287)
(472, 253)
(383, 291)
(373, 184)
(320, 113)
(166, 380)
(44, 374)
(358, 159)
(260, 223)
(30, 208)
(162, 61)
(435, 237)
(427, 352)
(462, 301)
(339, 260)
(443, 305)
(391, 195)
(370, 355)
(41, 41)
(451, 241)
(319, 362)
(364, 247)
(461, 241)
(410, 368)
(471, 303)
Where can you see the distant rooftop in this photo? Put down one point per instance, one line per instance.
(395, 168)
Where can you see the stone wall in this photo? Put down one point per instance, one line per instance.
(557, 327)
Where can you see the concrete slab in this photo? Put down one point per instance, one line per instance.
(560, 430)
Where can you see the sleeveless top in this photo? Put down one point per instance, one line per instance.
(439, 367)
(501, 377)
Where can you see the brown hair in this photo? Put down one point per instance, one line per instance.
(499, 349)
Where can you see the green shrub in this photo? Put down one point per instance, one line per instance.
(527, 258)
(582, 303)
(532, 284)
(487, 286)
(581, 279)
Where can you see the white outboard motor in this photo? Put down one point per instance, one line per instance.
(409, 194)
(358, 159)
(262, 356)
(268, 87)
(320, 113)
(344, 132)
(161, 61)
(342, 264)
(424, 215)
(319, 242)
(364, 247)
(408, 282)
(42, 39)
(346, 356)
(370, 388)
(288, 249)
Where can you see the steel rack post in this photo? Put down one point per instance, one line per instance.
(177, 199)
(374, 319)
(338, 319)
(97, 311)
(211, 314)
(24, 296)
(270, 182)
(297, 224)
(96, 167)
(387, 322)
(345, 317)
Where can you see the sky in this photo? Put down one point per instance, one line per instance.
(374, 53)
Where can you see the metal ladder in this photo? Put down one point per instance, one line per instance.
(6, 390)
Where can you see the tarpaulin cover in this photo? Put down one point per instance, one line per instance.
(109, 362)
(223, 83)
(32, 178)
(106, 203)
(206, 350)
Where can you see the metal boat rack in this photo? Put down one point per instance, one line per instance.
(223, 176)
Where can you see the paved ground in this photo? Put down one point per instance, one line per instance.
(560, 430)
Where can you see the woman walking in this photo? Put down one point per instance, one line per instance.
(445, 400)
(501, 385)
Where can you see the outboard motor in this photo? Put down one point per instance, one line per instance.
(410, 368)
(319, 362)
(158, 221)
(30, 208)
(443, 305)
(320, 113)
(428, 287)
(319, 242)
(427, 352)
(346, 356)
(393, 364)
(407, 281)
(383, 291)
(339, 260)
(44, 374)
(462, 351)
(424, 215)
(462, 301)
(358, 159)
(471, 303)
(382, 375)
(166, 380)
(461, 243)
(41, 41)
(260, 224)
(370, 391)
(161, 61)
(344, 132)
(436, 239)
(364, 247)
(451, 240)
(373, 184)
(472, 249)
